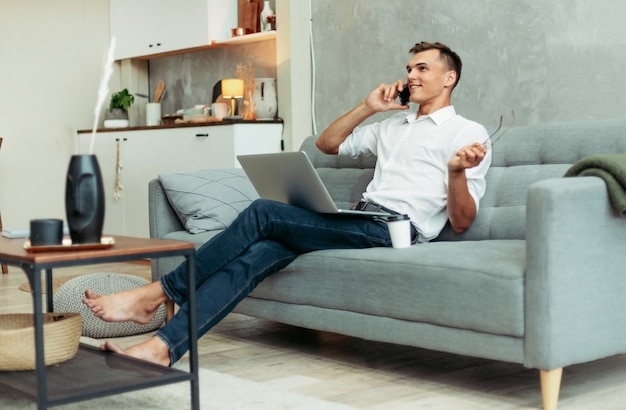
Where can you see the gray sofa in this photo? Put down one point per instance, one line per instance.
(539, 279)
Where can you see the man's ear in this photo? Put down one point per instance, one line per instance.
(450, 78)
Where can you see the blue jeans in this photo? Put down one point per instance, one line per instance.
(263, 239)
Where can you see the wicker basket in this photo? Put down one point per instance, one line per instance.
(17, 339)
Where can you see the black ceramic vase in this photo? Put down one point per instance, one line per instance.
(84, 199)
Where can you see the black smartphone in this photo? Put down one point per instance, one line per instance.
(404, 95)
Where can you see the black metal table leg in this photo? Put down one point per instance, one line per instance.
(40, 362)
(193, 332)
(49, 296)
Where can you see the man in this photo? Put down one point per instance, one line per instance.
(430, 166)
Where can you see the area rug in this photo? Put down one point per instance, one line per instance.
(57, 282)
(217, 392)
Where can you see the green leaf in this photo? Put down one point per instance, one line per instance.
(121, 99)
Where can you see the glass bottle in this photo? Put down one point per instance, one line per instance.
(265, 13)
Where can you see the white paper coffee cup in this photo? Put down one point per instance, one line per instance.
(400, 230)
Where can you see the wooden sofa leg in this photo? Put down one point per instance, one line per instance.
(550, 386)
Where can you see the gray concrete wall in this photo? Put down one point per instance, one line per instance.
(557, 60)
(189, 78)
(548, 60)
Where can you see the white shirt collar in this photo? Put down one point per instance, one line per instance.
(438, 117)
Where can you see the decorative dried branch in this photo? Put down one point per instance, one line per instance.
(245, 72)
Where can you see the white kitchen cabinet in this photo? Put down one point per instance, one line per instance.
(147, 27)
(144, 154)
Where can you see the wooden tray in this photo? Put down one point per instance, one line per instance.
(106, 242)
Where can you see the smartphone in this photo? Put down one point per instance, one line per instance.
(404, 95)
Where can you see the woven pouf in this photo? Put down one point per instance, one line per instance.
(69, 298)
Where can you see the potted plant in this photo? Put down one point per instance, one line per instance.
(117, 114)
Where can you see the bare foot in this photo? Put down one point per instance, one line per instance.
(152, 350)
(137, 305)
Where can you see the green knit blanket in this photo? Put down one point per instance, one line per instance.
(612, 169)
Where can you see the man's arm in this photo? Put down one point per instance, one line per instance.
(461, 205)
(380, 99)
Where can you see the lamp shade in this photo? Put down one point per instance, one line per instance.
(232, 88)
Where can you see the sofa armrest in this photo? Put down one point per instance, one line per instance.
(575, 274)
(163, 219)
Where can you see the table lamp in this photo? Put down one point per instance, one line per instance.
(232, 88)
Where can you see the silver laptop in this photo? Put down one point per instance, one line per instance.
(290, 177)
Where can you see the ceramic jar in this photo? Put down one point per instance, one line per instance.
(264, 98)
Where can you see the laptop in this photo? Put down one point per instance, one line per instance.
(290, 177)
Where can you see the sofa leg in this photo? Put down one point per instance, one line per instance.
(550, 386)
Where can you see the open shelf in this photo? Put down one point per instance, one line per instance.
(234, 41)
(91, 374)
(248, 38)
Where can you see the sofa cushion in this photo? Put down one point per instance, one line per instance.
(209, 199)
(528, 154)
(477, 285)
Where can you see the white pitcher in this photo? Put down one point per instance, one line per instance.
(264, 98)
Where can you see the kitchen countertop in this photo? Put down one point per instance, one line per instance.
(185, 125)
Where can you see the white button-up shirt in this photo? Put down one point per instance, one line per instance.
(411, 174)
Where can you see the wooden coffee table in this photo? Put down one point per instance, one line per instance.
(93, 373)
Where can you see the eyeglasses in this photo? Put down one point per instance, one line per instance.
(489, 142)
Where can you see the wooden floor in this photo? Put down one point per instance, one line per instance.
(365, 374)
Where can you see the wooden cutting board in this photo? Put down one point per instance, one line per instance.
(249, 11)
